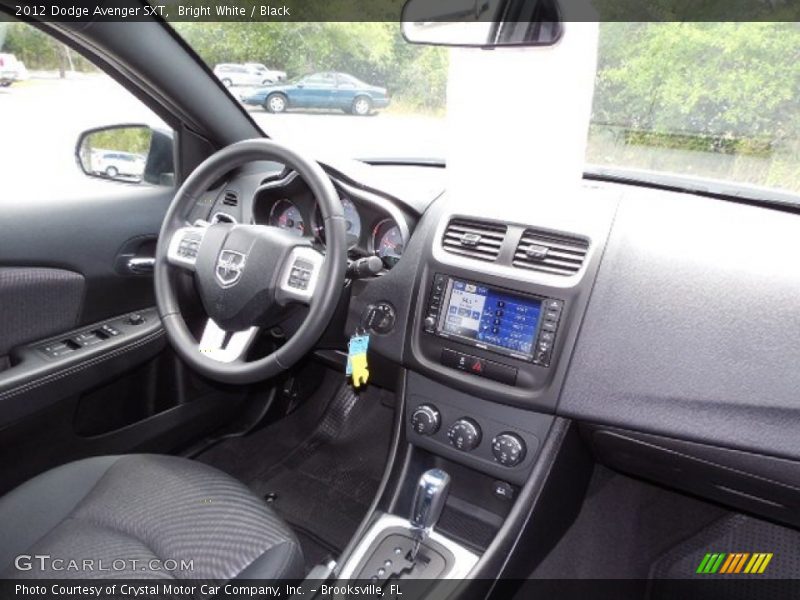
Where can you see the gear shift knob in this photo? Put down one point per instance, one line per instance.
(429, 501)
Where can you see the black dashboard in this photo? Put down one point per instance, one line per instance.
(608, 307)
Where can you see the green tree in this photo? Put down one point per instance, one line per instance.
(737, 80)
(39, 50)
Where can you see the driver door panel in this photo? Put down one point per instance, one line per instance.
(63, 276)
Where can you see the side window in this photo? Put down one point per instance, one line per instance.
(321, 79)
(345, 79)
(68, 125)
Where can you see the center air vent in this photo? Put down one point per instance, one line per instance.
(230, 198)
(555, 253)
(476, 239)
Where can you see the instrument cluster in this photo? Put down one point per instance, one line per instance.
(372, 229)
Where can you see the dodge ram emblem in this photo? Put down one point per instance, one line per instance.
(230, 266)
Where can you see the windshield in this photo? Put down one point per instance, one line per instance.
(353, 89)
(712, 100)
(707, 100)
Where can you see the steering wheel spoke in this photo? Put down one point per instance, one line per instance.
(300, 274)
(225, 346)
(185, 245)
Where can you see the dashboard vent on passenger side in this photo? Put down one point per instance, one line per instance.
(555, 253)
(477, 239)
(230, 198)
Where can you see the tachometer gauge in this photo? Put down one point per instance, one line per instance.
(286, 215)
(352, 223)
(387, 242)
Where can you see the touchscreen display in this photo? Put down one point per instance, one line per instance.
(491, 317)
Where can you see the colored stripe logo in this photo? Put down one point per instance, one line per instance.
(734, 563)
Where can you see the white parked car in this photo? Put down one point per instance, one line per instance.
(231, 74)
(11, 69)
(271, 75)
(116, 164)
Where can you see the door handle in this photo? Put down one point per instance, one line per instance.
(141, 265)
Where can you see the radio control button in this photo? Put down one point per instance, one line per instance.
(549, 326)
(553, 304)
(552, 315)
(429, 324)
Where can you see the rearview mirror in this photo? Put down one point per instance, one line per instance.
(481, 23)
(127, 153)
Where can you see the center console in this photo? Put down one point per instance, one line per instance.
(485, 336)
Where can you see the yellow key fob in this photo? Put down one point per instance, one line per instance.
(360, 370)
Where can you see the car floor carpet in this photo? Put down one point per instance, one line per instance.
(624, 525)
(319, 467)
(628, 529)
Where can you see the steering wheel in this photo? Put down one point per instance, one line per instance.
(247, 275)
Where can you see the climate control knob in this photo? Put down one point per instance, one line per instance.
(425, 419)
(464, 434)
(508, 449)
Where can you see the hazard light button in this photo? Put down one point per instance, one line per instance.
(479, 366)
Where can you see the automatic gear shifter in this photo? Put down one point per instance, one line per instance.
(397, 551)
(427, 507)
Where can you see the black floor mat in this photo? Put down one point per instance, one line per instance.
(320, 467)
(623, 527)
(656, 539)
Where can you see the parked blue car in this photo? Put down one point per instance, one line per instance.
(321, 90)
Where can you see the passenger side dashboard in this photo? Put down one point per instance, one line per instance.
(679, 323)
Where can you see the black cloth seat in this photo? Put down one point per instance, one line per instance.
(143, 508)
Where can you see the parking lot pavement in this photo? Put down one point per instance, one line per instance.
(43, 117)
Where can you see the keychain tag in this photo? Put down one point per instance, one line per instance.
(357, 366)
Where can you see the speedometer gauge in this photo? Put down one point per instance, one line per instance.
(388, 242)
(286, 215)
(352, 223)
